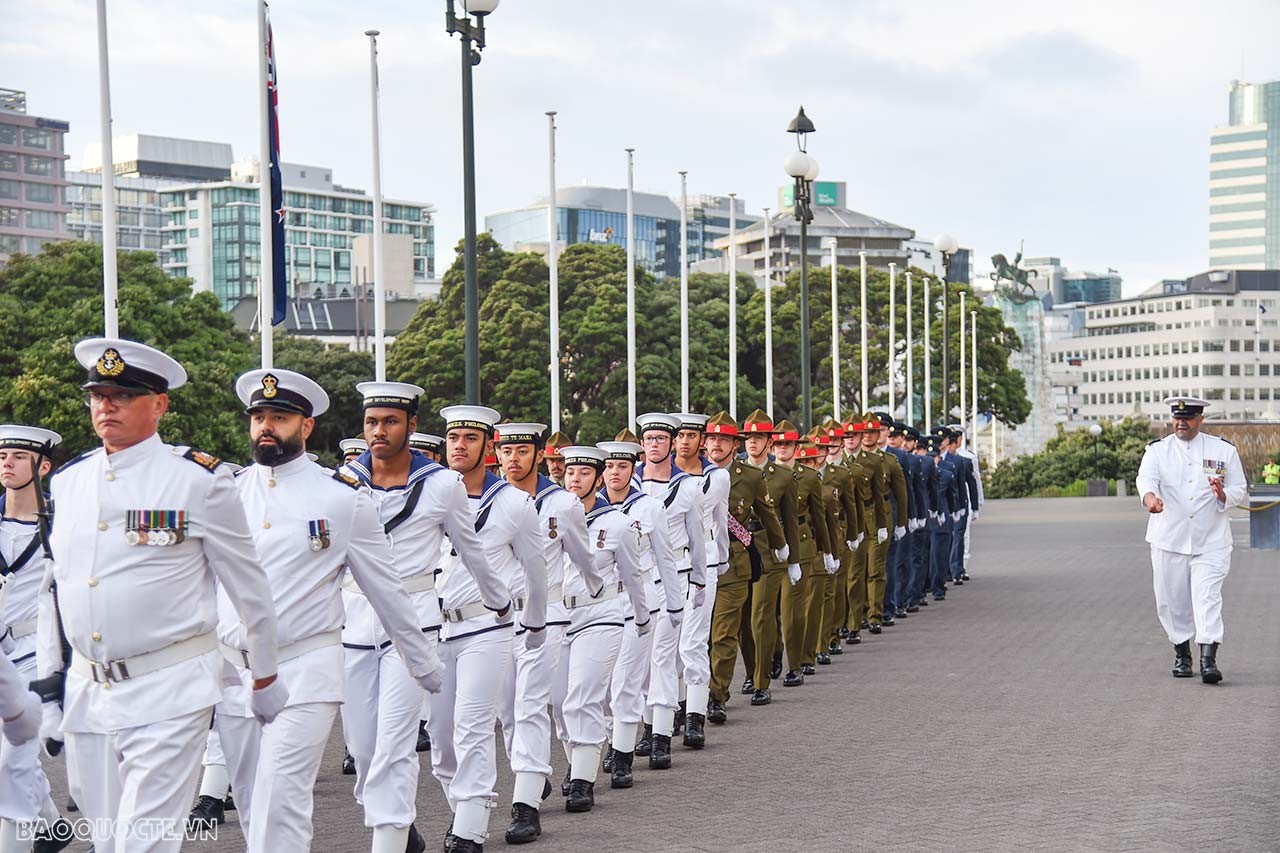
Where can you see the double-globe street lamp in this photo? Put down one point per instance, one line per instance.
(946, 246)
(472, 33)
(804, 170)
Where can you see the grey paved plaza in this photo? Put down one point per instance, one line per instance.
(1031, 710)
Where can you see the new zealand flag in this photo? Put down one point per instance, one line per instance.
(279, 281)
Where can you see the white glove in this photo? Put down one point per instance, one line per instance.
(26, 725)
(898, 533)
(676, 617)
(957, 515)
(975, 516)
(267, 702)
(433, 681)
(793, 573)
(699, 596)
(721, 569)
(852, 543)
(882, 534)
(8, 643)
(782, 553)
(644, 627)
(857, 543)
(51, 730)
(833, 565)
(533, 639)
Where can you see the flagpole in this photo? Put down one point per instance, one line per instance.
(733, 307)
(631, 290)
(768, 317)
(928, 361)
(893, 291)
(835, 337)
(963, 384)
(379, 282)
(684, 291)
(911, 389)
(973, 354)
(862, 263)
(110, 285)
(553, 264)
(266, 265)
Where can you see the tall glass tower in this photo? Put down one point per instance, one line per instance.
(1244, 180)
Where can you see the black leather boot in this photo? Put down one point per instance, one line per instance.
(465, 845)
(424, 738)
(525, 824)
(415, 843)
(748, 686)
(775, 671)
(1209, 672)
(582, 796)
(621, 771)
(645, 746)
(50, 838)
(207, 813)
(1182, 660)
(716, 712)
(564, 786)
(680, 718)
(608, 760)
(695, 736)
(660, 758)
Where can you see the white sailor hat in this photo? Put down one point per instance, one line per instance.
(691, 420)
(284, 390)
(352, 445)
(470, 417)
(628, 451)
(657, 420)
(426, 441)
(390, 395)
(580, 454)
(17, 437)
(520, 434)
(115, 362)
(1186, 407)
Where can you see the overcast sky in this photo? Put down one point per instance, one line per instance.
(1081, 128)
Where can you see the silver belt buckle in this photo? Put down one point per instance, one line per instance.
(517, 604)
(453, 615)
(115, 670)
(244, 658)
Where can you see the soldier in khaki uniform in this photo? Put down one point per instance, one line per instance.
(859, 538)
(797, 594)
(841, 492)
(761, 634)
(825, 564)
(556, 442)
(867, 581)
(749, 506)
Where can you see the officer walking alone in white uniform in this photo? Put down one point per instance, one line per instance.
(1188, 481)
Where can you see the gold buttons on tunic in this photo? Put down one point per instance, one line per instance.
(96, 637)
(271, 484)
(111, 475)
(102, 525)
(93, 581)
(266, 525)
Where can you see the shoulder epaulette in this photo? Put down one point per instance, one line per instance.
(204, 460)
(346, 479)
(83, 456)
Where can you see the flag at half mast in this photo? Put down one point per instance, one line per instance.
(279, 281)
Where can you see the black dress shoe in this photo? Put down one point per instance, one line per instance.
(964, 576)
(915, 608)
(416, 843)
(958, 582)
(887, 621)
(853, 639)
(924, 602)
(834, 648)
(660, 758)
(229, 804)
(939, 596)
(900, 613)
(716, 713)
(525, 826)
(207, 813)
(695, 736)
(348, 765)
(875, 628)
(607, 766)
(843, 632)
(582, 796)
(449, 837)
(424, 738)
(792, 679)
(866, 624)
(775, 671)
(71, 804)
(464, 845)
(51, 838)
(620, 775)
(1209, 672)
(824, 659)
(808, 669)
(1182, 660)
(748, 687)
(646, 740)
(761, 697)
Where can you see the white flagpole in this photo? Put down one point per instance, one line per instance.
(963, 385)
(928, 360)
(631, 290)
(379, 282)
(973, 354)
(733, 307)
(266, 264)
(768, 317)
(110, 286)
(862, 262)
(911, 388)
(684, 291)
(893, 290)
(553, 265)
(835, 337)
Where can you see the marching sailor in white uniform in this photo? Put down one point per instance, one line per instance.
(142, 531)
(418, 502)
(1188, 481)
(311, 526)
(20, 719)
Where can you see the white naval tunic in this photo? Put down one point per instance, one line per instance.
(1191, 539)
(695, 633)
(120, 598)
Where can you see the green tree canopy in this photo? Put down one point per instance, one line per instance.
(1073, 455)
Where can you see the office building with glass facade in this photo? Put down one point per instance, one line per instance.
(213, 234)
(1244, 180)
(32, 178)
(140, 220)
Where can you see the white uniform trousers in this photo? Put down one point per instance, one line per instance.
(664, 668)
(273, 773)
(523, 711)
(968, 537)
(1189, 593)
(589, 656)
(461, 726)
(136, 785)
(630, 681)
(380, 716)
(24, 789)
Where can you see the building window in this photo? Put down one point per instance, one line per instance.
(42, 193)
(36, 137)
(42, 220)
(8, 162)
(9, 189)
(41, 166)
(193, 233)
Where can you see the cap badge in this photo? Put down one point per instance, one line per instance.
(269, 386)
(110, 364)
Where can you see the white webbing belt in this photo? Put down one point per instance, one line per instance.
(610, 591)
(296, 649)
(147, 662)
